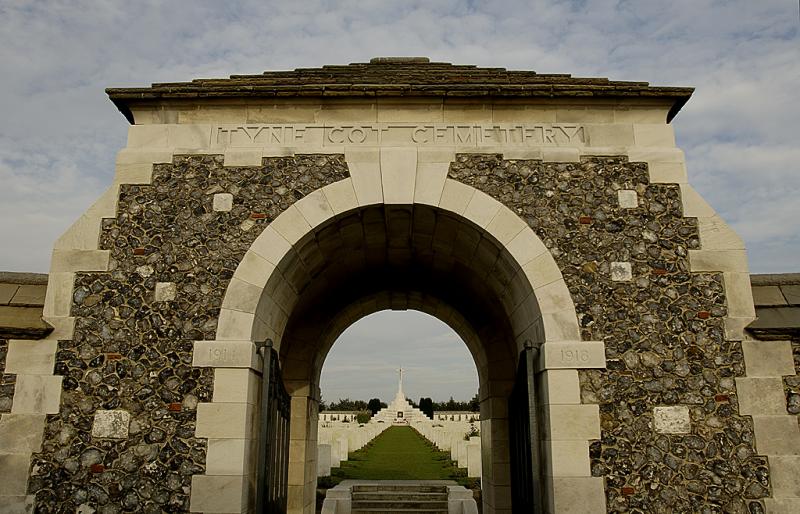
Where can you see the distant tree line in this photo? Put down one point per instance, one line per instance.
(426, 405)
(374, 405)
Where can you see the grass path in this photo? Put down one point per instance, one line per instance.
(399, 453)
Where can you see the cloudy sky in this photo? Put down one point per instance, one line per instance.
(59, 134)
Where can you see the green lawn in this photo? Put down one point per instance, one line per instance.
(399, 453)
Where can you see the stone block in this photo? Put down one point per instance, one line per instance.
(165, 291)
(776, 435)
(429, 182)
(526, 246)
(571, 422)
(782, 505)
(222, 494)
(367, 182)
(147, 136)
(628, 198)
(505, 225)
(561, 154)
(576, 495)
(398, 174)
(667, 173)
(189, 136)
(481, 209)
(761, 396)
(242, 296)
(37, 394)
(672, 419)
(323, 460)
(19, 504)
(653, 134)
(235, 325)
(291, 225)
(718, 260)
(694, 205)
(418, 110)
(139, 156)
(560, 326)
(236, 385)
(610, 135)
(64, 260)
(225, 354)
(455, 196)
(21, 433)
(15, 468)
(768, 358)
(572, 355)
(229, 456)
(621, 271)
(111, 424)
(715, 234)
(223, 202)
(474, 457)
(584, 114)
(29, 294)
(315, 208)
(738, 294)
(254, 268)
(31, 357)
(792, 294)
(567, 458)
(785, 476)
(341, 196)
(559, 386)
(768, 296)
(7, 292)
(541, 271)
(224, 420)
(134, 173)
(639, 114)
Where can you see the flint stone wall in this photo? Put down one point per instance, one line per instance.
(792, 383)
(7, 380)
(662, 330)
(134, 353)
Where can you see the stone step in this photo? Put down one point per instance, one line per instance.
(398, 511)
(400, 495)
(393, 504)
(400, 487)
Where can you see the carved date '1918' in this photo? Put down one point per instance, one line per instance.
(574, 356)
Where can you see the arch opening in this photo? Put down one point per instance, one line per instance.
(399, 257)
(364, 361)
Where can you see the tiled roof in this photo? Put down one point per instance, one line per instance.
(398, 76)
(777, 301)
(21, 304)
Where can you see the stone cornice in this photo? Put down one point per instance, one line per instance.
(412, 78)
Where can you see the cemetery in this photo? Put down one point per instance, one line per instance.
(627, 360)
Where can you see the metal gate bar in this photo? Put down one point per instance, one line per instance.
(526, 494)
(272, 471)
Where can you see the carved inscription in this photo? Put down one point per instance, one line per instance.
(400, 134)
(224, 354)
(573, 355)
(219, 356)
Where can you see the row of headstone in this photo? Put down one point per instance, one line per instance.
(334, 443)
(452, 437)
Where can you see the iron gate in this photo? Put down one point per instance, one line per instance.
(273, 451)
(526, 494)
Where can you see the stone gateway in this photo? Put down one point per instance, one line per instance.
(547, 219)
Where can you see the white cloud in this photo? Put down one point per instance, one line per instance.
(60, 134)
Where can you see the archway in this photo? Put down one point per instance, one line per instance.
(326, 262)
